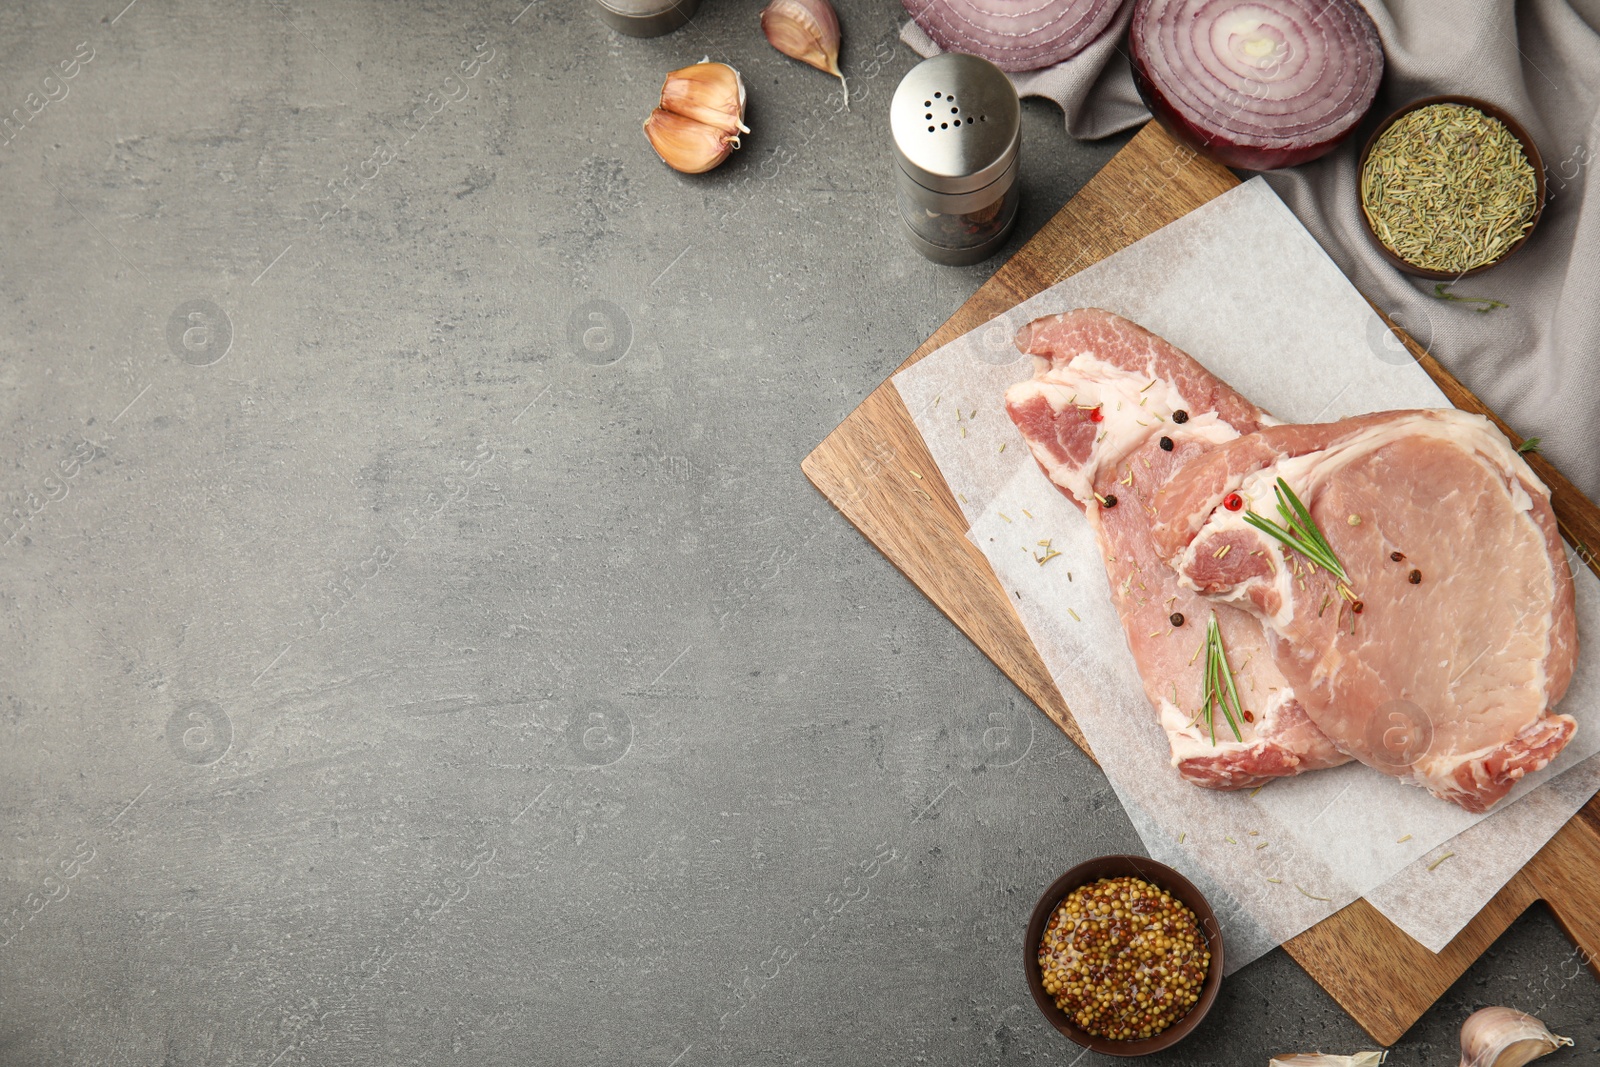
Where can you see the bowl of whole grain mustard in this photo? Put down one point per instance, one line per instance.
(1123, 955)
(1450, 186)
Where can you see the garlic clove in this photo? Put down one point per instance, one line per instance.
(686, 144)
(807, 30)
(712, 93)
(1505, 1037)
(1322, 1059)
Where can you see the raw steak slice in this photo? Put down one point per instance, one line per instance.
(1103, 398)
(1466, 634)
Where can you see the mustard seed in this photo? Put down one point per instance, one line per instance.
(1123, 958)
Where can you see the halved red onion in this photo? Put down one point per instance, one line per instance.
(1252, 84)
(1014, 34)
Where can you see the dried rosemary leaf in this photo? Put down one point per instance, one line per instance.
(1448, 188)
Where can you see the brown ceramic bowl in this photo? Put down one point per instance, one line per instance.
(1529, 149)
(1157, 874)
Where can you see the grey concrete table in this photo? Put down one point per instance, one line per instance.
(420, 645)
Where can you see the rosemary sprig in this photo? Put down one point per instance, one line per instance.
(1299, 532)
(1219, 687)
(1486, 304)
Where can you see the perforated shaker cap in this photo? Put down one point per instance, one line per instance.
(956, 123)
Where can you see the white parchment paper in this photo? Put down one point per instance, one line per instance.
(1240, 285)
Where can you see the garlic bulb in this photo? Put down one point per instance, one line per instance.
(1505, 1037)
(700, 118)
(1320, 1059)
(807, 30)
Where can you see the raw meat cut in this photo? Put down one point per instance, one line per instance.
(1455, 633)
(1107, 399)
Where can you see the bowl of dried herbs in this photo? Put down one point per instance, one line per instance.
(1450, 186)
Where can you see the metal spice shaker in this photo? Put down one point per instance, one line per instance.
(645, 18)
(956, 124)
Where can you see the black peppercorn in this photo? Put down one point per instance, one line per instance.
(1108, 501)
(1166, 444)
(1398, 557)
(1357, 607)
(1176, 618)
(1415, 577)
(1180, 416)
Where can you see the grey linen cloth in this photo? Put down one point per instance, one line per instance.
(1536, 362)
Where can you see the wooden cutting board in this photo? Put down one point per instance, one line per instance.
(1380, 976)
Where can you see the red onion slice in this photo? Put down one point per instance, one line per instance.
(1253, 84)
(1014, 34)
